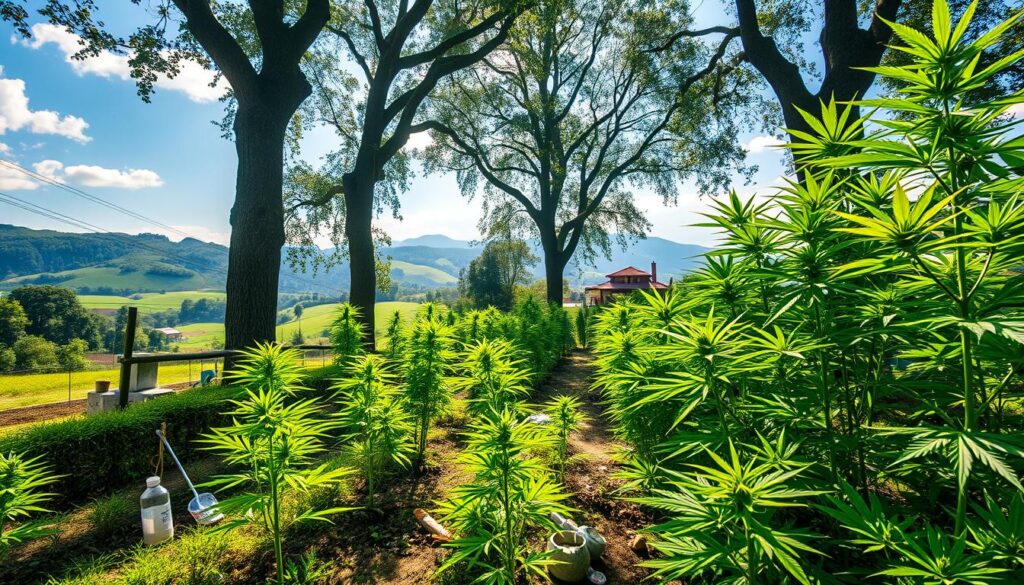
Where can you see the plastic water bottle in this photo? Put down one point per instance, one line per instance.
(157, 523)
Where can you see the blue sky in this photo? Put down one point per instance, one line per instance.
(83, 124)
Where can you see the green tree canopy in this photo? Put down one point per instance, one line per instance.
(13, 321)
(55, 314)
(491, 278)
(376, 67)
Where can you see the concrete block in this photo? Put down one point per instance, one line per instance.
(97, 402)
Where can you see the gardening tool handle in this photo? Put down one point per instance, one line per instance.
(178, 463)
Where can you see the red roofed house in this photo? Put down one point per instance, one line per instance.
(623, 281)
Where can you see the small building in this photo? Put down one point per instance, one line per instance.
(171, 333)
(623, 281)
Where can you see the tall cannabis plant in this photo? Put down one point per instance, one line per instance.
(347, 333)
(511, 496)
(377, 426)
(566, 416)
(491, 376)
(272, 446)
(427, 362)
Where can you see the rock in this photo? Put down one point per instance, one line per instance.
(639, 545)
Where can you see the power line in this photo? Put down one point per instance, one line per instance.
(90, 197)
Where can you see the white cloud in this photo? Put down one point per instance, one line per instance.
(48, 168)
(15, 114)
(1017, 110)
(14, 180)
(418, 141)
(759, 144)
(4, 149)
(193, 79)
(96, 176)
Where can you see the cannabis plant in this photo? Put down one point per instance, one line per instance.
(273, 446)
(491, 376)
(396, 337)
(566, 415)
(21, 482)
(377, 426)
(725, 523)
(510, 498)
(427, 362)
(347, 333)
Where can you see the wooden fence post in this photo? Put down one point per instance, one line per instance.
(126, 357)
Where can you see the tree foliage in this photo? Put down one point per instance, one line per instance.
(586, 101)
(492, 277)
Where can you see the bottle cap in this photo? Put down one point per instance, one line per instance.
(152, 482)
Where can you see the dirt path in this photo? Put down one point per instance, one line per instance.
(591, 480)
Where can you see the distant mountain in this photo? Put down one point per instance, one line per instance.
(434, 241)
(118, 263)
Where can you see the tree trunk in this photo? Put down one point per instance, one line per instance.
(257, 228)
(362, 263)
(554, 265)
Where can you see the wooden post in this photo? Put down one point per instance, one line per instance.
(126, 366)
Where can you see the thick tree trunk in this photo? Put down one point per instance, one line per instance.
(362, 262)
(257, 228)
(554, 265)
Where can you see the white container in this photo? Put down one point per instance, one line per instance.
(568, 550)
(157, 523)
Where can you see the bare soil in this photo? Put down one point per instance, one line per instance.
(52, 410)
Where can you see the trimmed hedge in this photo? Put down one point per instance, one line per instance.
(101, 453)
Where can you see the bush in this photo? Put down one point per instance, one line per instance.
(8, 359)
(112, 450)
(72, 356)
(34, 352)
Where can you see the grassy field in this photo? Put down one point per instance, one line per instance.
(425, 275)
(30, 389)
(314, 321)
(149, 302)
(99, 276)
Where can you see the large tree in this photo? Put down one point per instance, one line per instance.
(587, 99)
(257, 46)
(399, 53)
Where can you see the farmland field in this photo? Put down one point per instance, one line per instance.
(148, 302)
(30, 389)
(314, 321)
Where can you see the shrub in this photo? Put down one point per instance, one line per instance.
(72, 356)
(35, 353)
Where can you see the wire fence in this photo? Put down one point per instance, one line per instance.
(38, 386)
